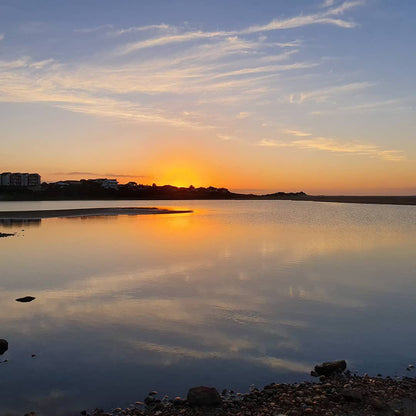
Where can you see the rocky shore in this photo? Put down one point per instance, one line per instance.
(337, 392)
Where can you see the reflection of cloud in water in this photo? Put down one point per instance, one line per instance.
(162, 290)
(174, 353)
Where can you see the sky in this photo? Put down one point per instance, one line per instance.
(252, 95)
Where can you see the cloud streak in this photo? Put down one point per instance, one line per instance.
(338, 146)
(326, 18)
(118, 175)
(323, 94)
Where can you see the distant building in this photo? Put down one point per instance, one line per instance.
(34, 179)
(5, 179)
(106, 183)
(16, 179)
(24, 179)
(19, 179)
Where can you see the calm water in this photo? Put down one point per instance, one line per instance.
(238, 292)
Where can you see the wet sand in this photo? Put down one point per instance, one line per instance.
(86, 212)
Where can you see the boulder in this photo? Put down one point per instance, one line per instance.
(329, 368)
(204, 396)
(4, 346)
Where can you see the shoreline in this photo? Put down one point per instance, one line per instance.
(408, 200)
(364, 199)
(344, 394)
(86, 212)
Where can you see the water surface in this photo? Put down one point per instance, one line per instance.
(235, 293)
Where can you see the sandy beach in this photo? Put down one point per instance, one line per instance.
(86, 212)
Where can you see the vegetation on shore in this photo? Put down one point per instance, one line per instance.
(85, 190)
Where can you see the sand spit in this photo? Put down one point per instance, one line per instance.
(385, 200)
(86, 212)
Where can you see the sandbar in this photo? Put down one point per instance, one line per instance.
(87, 212)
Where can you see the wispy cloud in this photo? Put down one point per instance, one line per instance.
(225, 137)
(20, 87)
(326, 17)
(396, 104)
(243, 114)
(218, 68)
(166, 40)
(94, 29)
(134, 29)
(297, 133)
(338, 146)
(100, 90)
(98, 174)
(1, 36)
(328, 3)
(323, 94)
(291, 44)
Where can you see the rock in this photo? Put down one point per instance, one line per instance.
(177, 401)
(25, 299)
(330, 368)
(4, 346)
(6, 235)
(150, 400)
(352, 395)
(204, 396)
(377, 404)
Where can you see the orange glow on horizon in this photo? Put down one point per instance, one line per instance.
(183, 173)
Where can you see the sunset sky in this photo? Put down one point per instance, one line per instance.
(258, 95)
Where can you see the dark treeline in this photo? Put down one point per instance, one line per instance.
(85, 190)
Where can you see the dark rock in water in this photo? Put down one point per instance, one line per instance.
(204, 396)
(25, 299)
(6, 235)
(4, 346)
(330, 368)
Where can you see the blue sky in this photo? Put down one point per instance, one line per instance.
(276, 95)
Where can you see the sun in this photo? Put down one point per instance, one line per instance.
(181, 175)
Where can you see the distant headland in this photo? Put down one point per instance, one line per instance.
(110, 189)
